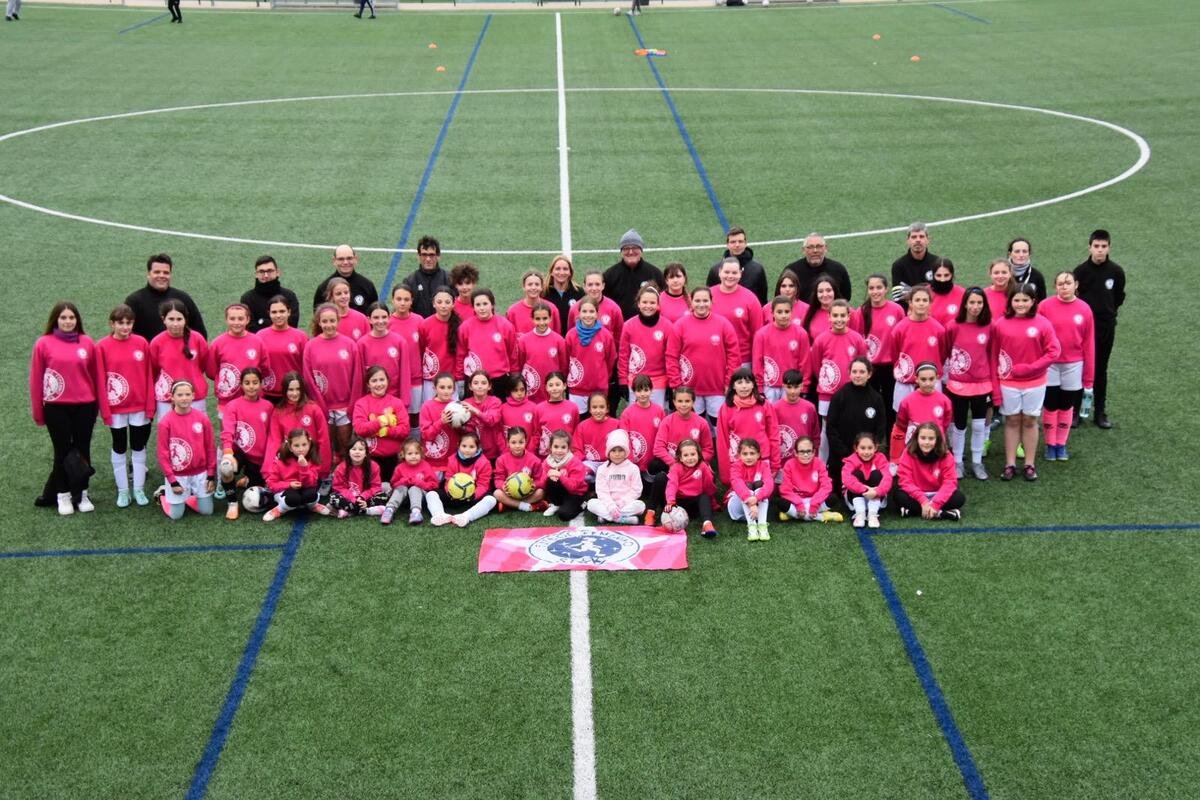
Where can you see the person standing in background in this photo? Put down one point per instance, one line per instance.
(1102, 287)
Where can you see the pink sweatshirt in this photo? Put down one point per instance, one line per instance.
(285, 419)
(944, 307)
(283, 472)
(550, 417)
(489, 345)
(1075, 329)
(169, 365)
(883, 320)
(480, 469)
(508, 465)
(61, 372)
(589, 367)
(916, 477)
(520, 316)
(488, 427)
(703, 354)
(741, 477)
(855, 471)
(913, 342)
(348, 481)
(917, 408)
(422, 475)
(997, 302)
(695, 482)
(609, 314)
(1025, 349)
(744, 313)
(283, 352)
(642, 426)
(392, 352)
(643, 351)
(802, 482)
(465, 309)
(573, 478)
(409, 329)
(799, 309)
(777, 350)
(440, 439)
(186, 445)
(969, 367)
(125, 384)
(435, 348)
(520, 415)
(672, 308)
(538, 355)
(354, 324)
(795, 420)
(830, 358)
(735, 424)
(618, 484)
(382, 440)
(590, 437)
(228, 355)
(818, 324)
(246, 425)
(333, 374)
(674, 429)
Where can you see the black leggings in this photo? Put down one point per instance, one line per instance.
(976, 404)
(698, 507)
(883, 381)
(903, 499)
(654, 482)
(252, 471)
(569, 505)
(173, 7)
(70, 427)
(124, 438)
(300, 498)
(1060, 399)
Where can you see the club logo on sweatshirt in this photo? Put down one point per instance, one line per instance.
(306, 420)
(533, 381)
(162, 386)
(982, 338)
(181, 454)
(872, 346)
(116, 387)
(959, 362)
(903, 369)
(787, 438)
(637, 360)
(1031, 331)
(344, 355)
(268, 381)
(1078, 319)
(321, 381)
(472, 363)
(429, 365)
(951, 309)
(829, 377)
(439, 446)
(244, 436)
(228, 380)
(771, 371)
(637, 443)
(293, 347)
(574, 372)
(393, 352)
(1108, 284)
(53, 385)
(931, 341)
(686, 373)
(739, 312)
(1004, 364)
(139, 355)
(658, 336)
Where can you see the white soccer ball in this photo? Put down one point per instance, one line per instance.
(616, 11)
(766, 3)
(458, 414)
(257, 499)
(227, 467)
(675, 520)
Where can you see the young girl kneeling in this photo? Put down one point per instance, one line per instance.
(618, 484)
(751, 483)
(187, 454)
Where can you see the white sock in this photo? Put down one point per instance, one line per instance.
(523, 506)
(119, 464)
(762, 512)
(873, 507)
(480, 509)
(138, 458)
(859, 504)
(979, 434)
(958, 438)
(793, 512)
(434, 502)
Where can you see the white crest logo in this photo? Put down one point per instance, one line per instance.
(574, 372)
(117, 388)
(1031, 331)
(181, 453)
(292, 347)
(952, 309)
(1079, 319)
(890, 319)
(344, 354)
(739, 312)
(1108, 284)
(138, 355)
(658, 335)
(197, 427)
(53, 385)
(306, 420)
(981, 338)
(931, 341)
(496, 337)
(870, 413)
(251, 353)
(393, 352)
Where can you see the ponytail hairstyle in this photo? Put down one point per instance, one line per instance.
(167, 307)
(453, 322)
(744, 374)
(315, 327)
(64, 305)
(866, 309)
(285, 447)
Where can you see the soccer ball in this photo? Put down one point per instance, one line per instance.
(676, 519)
(616, 11)
(766, 3)
(460, 486)
(519, 485)
(458, 414)
(257, 499)
(228, 467)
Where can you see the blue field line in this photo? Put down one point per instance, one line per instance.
(962, 13)
(143, 23)
(1183, 526)
(937, 701)
(683, 131)
(137, 551)
(433, 156)
(258, 635)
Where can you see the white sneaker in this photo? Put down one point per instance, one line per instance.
(85, 504)
(859, 521)
(65, 506)
(375, 511)
(873, 521)
(550, 511)
(438, 520)
(460, 520)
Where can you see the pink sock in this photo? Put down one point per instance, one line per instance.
(1064, 425)
(166, 507)
(192, 503)
(1050, 426)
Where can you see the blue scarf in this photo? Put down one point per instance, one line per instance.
(587, 334)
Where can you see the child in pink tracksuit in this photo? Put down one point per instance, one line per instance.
(618, 484)
(926, 404)
(751, 483)
(866, 480)
(806, 485)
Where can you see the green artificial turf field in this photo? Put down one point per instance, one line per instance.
(342, 659)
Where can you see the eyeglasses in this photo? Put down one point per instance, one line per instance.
(804, 452)
(267, 271)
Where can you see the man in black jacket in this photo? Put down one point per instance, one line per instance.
(145, 301)
(1102, 287)
(915, 266)
(624, 279)
(754, 275)
(362, 291)
(266, 286)
(816, 263)
(428, 277)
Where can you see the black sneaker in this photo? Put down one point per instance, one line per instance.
(952, 513)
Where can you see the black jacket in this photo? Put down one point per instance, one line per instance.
(362, 291)
(754, 275)
(258, 300)
(145, 302)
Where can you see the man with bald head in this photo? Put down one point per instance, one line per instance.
(362, 291)
(816, 263)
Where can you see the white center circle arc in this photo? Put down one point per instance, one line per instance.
(1142, 145)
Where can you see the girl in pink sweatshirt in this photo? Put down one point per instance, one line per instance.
(590, 438)
(555, 413)
(378, 417)
(946, 297)
(63, 377)
(520, 313)
(564, 482)
(295, 410)
(703, 354)
(685, 423)
(125, 390)
(779, 346)
(643, 349)
(357, 483)
(408, 326)
(515, 459)
(866, 481)
(187, 455)
(806, 485)
(413, 480)
(519, 411)
(875, 319)
(485, 411)
(178, 353)
(244, 433)
(293, 476)
(788, 287)
(438, 435)
(926, 404)
(746, 414)
(690, 485)
(489, 343)
(230, 353)
(333, 374)
(751, 483)
(283, 348)
(467, 460)
(352, 323)
(1075, 370)
(816, 318)
(739, 305)
(674, 302)
(618, 484)
(1026, 346)
(926, 483)
(439, 341)
(541, 351)
(591, 354)
(969, 378)
(608, 313)
(794, 415)
(383, 347)
(916, 338)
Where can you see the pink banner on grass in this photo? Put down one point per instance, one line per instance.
(544, 549)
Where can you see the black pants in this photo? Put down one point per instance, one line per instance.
(300, 498)
(883, 381)
(1105, 337)
(698, 507)
(173, 7)
(70, 427)
(654, 483)
(365, 4)
(252, 471)
(569, 505)
(977, 405)
(903, 499)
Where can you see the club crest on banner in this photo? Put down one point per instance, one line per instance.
(593, 546)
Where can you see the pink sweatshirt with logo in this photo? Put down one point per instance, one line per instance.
(409, 330)
(972, 354)
(777, 350)
(590, 438)
(520, 415)
(228, 355)
(392, 352)
(435, 348)
(125, 384)
(1075, 328)
(186, 445)
(916, 477)
(795, 420)
(913, 342)
(283, 352)
(735, 424)
(333, 374)
(489, 345)
(365, 419)
(883, 320)
(169, 364)
(61, 372)
(245, 425)
(354, 324)
(422, 475)
(486, 426)
(695, 482)
(703, 354)
(1025, 349)
(802, 482)
(830, 358)
(348, 481)
(674, 429)
(538, 355)
(609, 314)
(550, 417)
(520, 316)
(642, 426)
(588, 368)
(440, 440)
(643, 351)
(741, 477)
(742, 309)
(508, 465)
(285, 419)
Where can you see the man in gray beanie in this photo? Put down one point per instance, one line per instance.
(623, 279)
